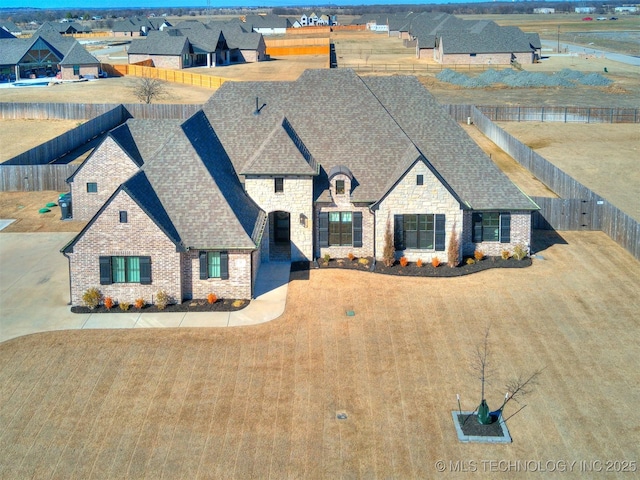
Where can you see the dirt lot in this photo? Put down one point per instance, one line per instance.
(603, 157)
(24, 206)
(261, 402)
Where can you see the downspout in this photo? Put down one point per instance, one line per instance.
(373, 263)
(69, 259)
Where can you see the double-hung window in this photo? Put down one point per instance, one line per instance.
(121, 269)
(491, 227)
(214, 264)
(340, 229)
(419, 232)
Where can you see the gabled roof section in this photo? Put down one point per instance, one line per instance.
(159, 43)
(77, 55)
(282, 153)
(141, 191)
(475, 179)
(200, 190)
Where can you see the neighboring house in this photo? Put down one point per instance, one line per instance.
(585, 9)
(138, 26)
(451, 40)
(10, 27)
(267, 24)
(626, 9)
(46, 54)
(63, 28)
(544, 10)
(260, 174)
(194, 44)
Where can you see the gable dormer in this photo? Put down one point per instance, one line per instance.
(340, 182)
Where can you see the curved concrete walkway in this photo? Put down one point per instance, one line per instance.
(34, 293)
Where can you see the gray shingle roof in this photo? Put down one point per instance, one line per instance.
(377, 127)
(281, 153)
(476, 180)
(200, 190)
(77, 55)
(159, 43)
(12, 50)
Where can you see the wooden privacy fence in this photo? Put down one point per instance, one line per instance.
(295, 42)
(32, 170)
(85, 111)
(579, 208)
(561, 114)
(32, 178)
(176, 76)
(308, 30)
(68, 141)
(410, 67)
(300, 50)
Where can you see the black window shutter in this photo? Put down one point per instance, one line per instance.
(105, 270)
(145, 270)
(123, 216)
(323, 229)
(224, 265)
(477, 227)
(357, 229)
(398, 232)
(440, 233)
(204, 273)
(505, 227)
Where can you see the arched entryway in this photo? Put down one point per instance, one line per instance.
(279, 236)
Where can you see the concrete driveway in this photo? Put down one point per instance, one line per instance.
(34, 293)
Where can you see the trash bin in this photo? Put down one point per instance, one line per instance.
(65, 206)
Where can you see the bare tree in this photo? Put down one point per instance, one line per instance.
(517, 388)
(148, 89)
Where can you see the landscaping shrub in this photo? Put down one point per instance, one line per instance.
(124, 306)
(363, 261)
(419, 263)
(108, 303)
(211, 298)
(453, 253)
(404, 262)
(91, 298)
(237, 303)
(388, 251)
(478, 255)
(162, 300)
(470, 261)
(326, 258)
(139, 303)
(435, 261)
(519, 252)
(505, 254)
(351, 256)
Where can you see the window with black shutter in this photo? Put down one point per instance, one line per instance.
(123, 216)
(213, 264)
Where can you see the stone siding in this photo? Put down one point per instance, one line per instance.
(342, 203)
(140, 236)
(108, 166)
(408, 198)
(238, 285)
(520, 235)
(297, 200)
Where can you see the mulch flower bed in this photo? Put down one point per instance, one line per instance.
(198, 305)
(470, 426)
(443, 270)
(412, 270)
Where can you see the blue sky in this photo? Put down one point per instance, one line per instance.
(86, 4)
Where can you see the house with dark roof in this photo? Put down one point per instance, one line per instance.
(194, 44)
(46, 54)
(138, 26)
(10, 27)
(63, 28)
(267, 24)
(450, 40)
(260, 175)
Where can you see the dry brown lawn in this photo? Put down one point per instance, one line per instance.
(603, 157)
(261, 401)
(23, 208)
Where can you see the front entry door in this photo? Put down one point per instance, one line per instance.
(281, 232)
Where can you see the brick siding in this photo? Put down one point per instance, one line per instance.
(108, 166)
(140, 236)
(238, 285)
